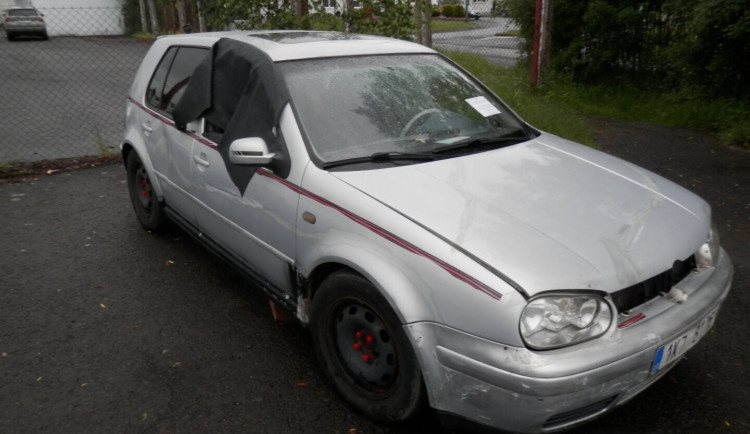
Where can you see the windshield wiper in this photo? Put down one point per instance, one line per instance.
(382, 157)
(488, 141)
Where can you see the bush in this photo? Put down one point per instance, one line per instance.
(459, 11)
(447, 10)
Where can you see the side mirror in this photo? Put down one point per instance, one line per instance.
(249, 151)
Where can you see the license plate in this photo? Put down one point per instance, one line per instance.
(672, 351)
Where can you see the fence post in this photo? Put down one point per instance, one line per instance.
(540, 52)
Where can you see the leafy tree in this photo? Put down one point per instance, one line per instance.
(694, 45)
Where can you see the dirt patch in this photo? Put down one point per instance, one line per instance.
(22, 171)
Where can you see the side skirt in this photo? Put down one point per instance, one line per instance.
(286, 300)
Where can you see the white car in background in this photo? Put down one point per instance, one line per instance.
(22, 21)
(441, 251)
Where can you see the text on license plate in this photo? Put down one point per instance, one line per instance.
(672, 351)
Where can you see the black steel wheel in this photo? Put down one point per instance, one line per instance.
(147, 207)
(364, 350)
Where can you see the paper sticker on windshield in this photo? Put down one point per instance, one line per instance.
(484, 107)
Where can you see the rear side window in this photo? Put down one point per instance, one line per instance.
(172, 76)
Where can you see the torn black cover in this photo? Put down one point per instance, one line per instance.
(238, 90)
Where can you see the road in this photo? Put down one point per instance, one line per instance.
(107, 328)
(64, 97)
(483, 40)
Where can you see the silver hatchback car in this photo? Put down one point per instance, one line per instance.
(19, 21)
(440, 250)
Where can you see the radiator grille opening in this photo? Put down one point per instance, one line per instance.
(636, 295)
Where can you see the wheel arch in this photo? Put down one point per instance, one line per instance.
(399, 290)
(126, 149)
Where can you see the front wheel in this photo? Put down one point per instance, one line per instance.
(147, 207)
(364, 350)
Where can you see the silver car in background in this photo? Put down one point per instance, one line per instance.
(21, 21)
(441, 251)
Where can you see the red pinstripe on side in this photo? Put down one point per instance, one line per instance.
(171, 123)
(387, 235)
(369, 225)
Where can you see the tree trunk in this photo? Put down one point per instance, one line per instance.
(181, 21)
(144, 16)
(154, 17)
(424, 17)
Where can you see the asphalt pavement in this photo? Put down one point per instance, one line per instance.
(107, 328)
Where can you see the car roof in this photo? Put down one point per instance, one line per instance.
(282, 45)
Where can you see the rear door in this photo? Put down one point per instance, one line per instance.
(171, 149)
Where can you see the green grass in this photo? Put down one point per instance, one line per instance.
(512, 85)
(142, 35)
(562, 108)
(728, 118)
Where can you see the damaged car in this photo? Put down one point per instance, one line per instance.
(442, 252)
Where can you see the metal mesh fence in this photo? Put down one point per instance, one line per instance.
(65, 97)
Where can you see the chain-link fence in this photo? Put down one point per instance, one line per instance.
(65, 97)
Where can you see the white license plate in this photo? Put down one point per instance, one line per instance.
(672, 351)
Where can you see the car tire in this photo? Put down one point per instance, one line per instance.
(364, 349)
(45, 36)
(148, 208)
(9, 36)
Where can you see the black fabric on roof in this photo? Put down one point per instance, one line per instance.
(238, 90)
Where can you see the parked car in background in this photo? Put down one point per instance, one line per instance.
(21, 21)
(471, 13)
(441, 251)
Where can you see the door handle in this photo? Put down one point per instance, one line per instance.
(147, 127)
(201, 160)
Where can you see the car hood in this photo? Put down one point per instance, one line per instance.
(548, 213)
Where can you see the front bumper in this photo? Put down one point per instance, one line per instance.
(521, 390)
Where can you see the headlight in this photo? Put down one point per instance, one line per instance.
(707, 255)
(553, 321)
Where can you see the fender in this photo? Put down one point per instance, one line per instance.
(133, 143)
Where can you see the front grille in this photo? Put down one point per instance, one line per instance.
(578, 413)
(636, 295)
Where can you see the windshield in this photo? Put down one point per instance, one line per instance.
(353, 108)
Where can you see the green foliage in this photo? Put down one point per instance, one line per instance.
(393, 18)
(683, 45)
(447, 10)
(686, 62)
(729, 118)
(710, 50)
(459, 11)
(326, 21)
(131, 16)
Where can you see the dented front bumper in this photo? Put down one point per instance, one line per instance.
(527, 391)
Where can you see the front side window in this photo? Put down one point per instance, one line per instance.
(356, 107)
(172, 76)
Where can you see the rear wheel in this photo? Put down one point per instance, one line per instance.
(147, 207)
(365, 352)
